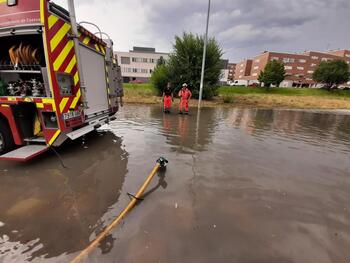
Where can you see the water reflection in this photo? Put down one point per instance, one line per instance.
(310, 127)
(48, 210)
(182, 133)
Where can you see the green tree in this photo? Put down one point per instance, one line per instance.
(185, 64)
(273, 74)
(160, 77)
(261, 77)
(161, 61)
(331, 73)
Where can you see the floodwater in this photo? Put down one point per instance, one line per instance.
(242, 185)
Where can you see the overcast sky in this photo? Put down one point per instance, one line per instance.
(244, 28)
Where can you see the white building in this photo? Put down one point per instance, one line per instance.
(224, 75)
(139, 63)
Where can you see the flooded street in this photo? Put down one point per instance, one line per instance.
(242, 186)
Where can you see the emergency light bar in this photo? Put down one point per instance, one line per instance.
(11, 2)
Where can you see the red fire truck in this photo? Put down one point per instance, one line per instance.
(58, 81)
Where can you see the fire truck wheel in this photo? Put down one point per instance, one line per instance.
(6, 140)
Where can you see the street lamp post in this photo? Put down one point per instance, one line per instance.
(204, 55)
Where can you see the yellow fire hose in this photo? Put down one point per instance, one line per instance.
(161, 163)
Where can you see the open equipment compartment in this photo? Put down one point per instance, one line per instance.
(23, 74)
(23, 70)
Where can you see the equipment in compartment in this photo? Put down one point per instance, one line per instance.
(24, 55)
(33, 88)
(22, 52)
(22, 66)
(3, 90)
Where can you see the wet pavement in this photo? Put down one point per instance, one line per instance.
(242, 186)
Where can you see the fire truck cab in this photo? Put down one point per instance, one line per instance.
(58, 81)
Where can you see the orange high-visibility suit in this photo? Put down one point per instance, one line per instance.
(185, 95)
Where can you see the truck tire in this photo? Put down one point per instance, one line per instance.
(6, 140)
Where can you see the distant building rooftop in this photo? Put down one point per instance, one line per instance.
(143, 49)
(150, 50)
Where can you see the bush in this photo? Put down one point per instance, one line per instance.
(209, 92)
(160, 77)
(332, 73)
(185, 64)
(273, 74)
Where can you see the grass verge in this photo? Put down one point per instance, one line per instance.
(296, 98)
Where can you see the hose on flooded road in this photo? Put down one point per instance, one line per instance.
(161, 163)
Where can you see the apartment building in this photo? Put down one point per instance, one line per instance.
(296, 67)
(341, 53)
(243, 70)
(231, 71)
(299, 67)
(139, 63)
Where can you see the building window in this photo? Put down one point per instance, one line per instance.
(241, 70)
(310, 72)
(137, 60)
(288, 67)
(288, 60)
(302, 60)
(240, 76)
(124, 60)
(127, 70)
(314, 57)
(347, 55)
(255, 74)
(300, 68)
(274, 58)
(256, 67)
(241, 65)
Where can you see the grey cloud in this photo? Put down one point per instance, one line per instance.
(243, 27)
(250, 24)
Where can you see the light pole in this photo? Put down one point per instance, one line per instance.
(204, 55)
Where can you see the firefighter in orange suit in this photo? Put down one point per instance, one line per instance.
(185, 96)
(167, 98)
